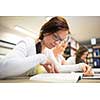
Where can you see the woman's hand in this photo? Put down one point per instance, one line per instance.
(59, 49)
(87, 70)
(50, 67)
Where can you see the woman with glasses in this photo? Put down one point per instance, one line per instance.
(27, 53)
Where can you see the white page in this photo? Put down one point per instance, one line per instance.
(96, 70)
(57, 77)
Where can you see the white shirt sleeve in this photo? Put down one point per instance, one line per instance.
(63, 68)
(50, 55)
(71, 68)
(22, 58)
(71, 60)
(60, 58)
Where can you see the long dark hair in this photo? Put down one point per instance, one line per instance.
(53, 25)
(79, 54)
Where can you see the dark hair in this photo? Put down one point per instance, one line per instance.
(38, 47)
(53, 25)
(79, 54)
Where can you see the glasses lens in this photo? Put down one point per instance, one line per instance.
(56, 37)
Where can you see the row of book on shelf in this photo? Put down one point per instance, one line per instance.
(94, 56)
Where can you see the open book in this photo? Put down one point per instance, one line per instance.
(57, 77)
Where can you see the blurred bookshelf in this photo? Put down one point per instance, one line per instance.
(93, 58)
(90, 56)
(96, 56)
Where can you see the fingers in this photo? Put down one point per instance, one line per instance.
(64, 45)
(53, 69)
(56, 70)
(50, 67)
(88, 71)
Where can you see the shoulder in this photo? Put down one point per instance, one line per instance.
(27, 40)
(26, 43)
(71, 58)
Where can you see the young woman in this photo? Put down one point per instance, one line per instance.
(27, 54)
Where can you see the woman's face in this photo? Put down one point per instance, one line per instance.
(51, 40)
(85, 54)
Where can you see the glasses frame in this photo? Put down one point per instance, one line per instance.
(56, 37)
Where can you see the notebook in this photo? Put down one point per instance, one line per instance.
(57, 77)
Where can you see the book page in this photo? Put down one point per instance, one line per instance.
(57, 77)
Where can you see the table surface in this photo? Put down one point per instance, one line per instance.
(26, 80)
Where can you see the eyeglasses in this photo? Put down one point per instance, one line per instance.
(56, 37)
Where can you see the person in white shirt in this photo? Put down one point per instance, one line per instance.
(27, 54)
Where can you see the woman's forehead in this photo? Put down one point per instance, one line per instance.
(62, 34)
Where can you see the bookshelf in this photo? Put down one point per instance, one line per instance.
(93, 58)
(90, 56)
(96, 56)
